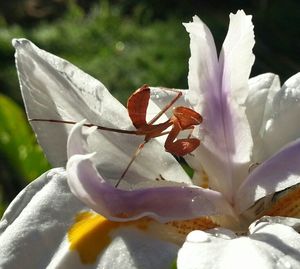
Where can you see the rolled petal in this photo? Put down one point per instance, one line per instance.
(49, 222)
(53, 88)
(268, 246)
(259, 110)
(226, 137)
(279, 172)
(164, 202)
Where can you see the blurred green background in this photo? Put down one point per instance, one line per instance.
(124, 44)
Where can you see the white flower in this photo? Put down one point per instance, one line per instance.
(241, 127)
(268, 245)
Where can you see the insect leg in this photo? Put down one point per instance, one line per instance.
(137, 152)
(179, 94)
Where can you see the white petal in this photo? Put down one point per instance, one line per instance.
(259, 109)
(33, 233)
(37, 220)
(236, 55)
(282, 127)
(203, 63)
(129, 248)
(161, 96)
(269, 246)
(53, 88)
(291, 222)
(138, 251)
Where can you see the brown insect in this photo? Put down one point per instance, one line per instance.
(183, 118)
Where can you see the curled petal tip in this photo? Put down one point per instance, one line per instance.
(17, 42)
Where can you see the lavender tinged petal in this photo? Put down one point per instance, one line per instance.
(170, 202)
(279, 172)
(161, 203)
(204, 84)
(226, 144)
(236, 61)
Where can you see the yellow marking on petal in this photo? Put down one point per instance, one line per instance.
(205, 180)
(91, 233)
(287, 205)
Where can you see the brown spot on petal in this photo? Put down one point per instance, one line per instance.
(287, 203)
(186, 226)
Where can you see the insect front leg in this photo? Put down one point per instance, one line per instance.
(180, 147)
(134, 156)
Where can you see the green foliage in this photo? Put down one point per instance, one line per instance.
(17, 141)
(18, 151)
(119, 51)
(128, 44)
(3, 204)
(174, 265)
